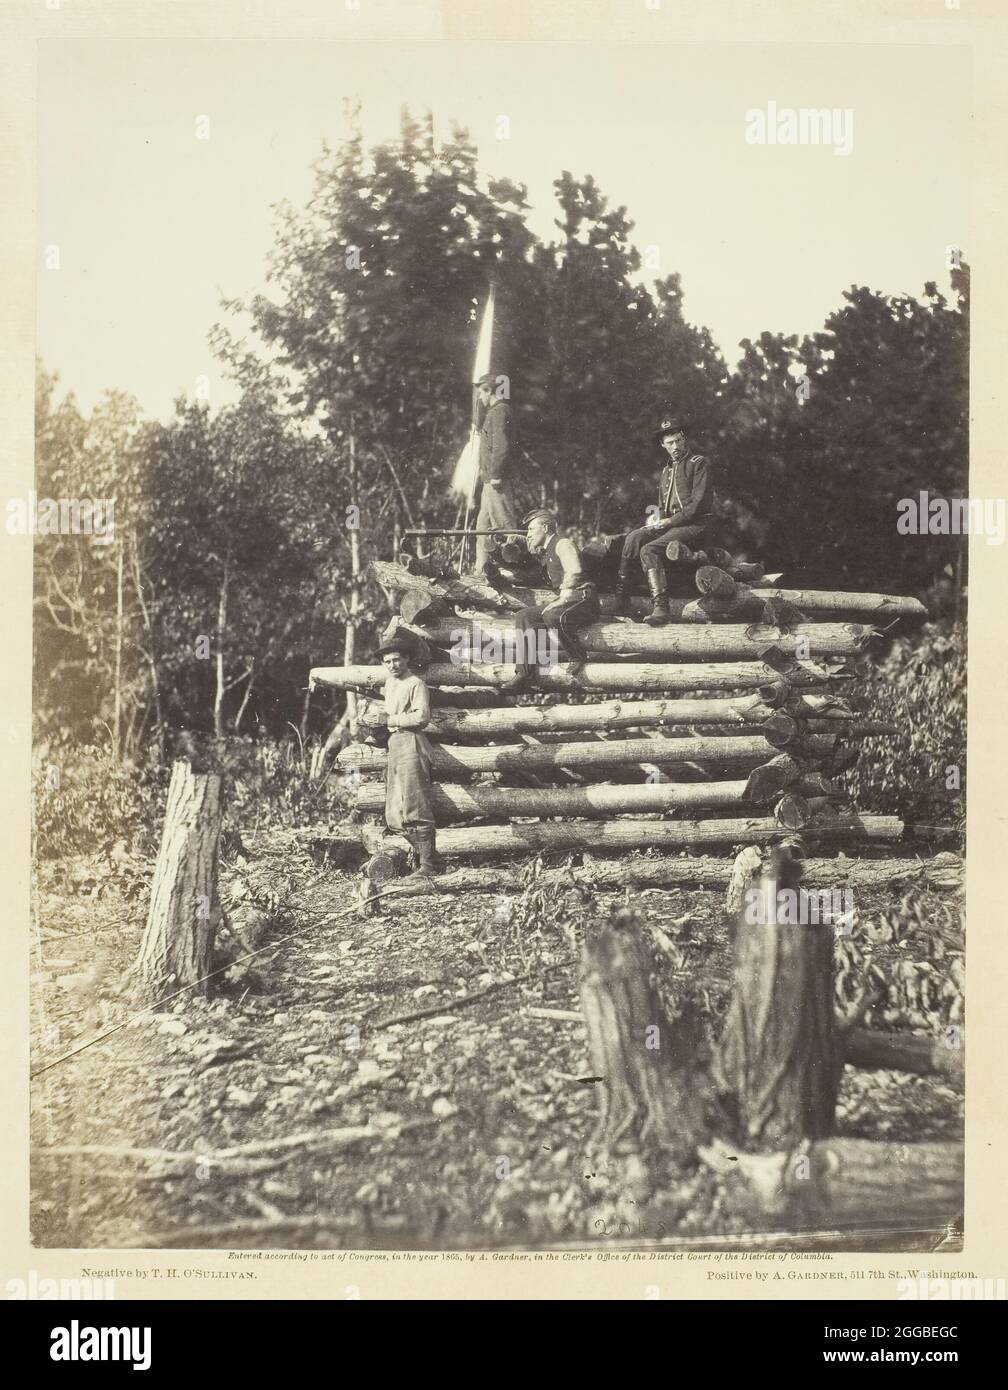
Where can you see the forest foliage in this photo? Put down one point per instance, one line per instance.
(228, 577)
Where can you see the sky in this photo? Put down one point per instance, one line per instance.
(153, 226)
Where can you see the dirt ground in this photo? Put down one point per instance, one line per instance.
(292, 1109)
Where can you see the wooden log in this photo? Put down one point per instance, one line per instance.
(779, 1057)
(706, 871)
(452, 803)
(448, 760)
(902, 1052)
(882, 1191)
(792, 812)
(627, 678)
(178, 941)
(852, 728)
(742, 715)
(417, 608)
(472, 592)
(648, 1096)
(766, 781)
(485, 636)
(715, 582)
(616, 836)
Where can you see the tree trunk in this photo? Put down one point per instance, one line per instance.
(618, 835)
(218, 710)
(725, 642)
(779, 1058)
(149, 654)
(349, 648)
(471, 592)
(452, 803)
(453, 761)
(649, 1099)
(742, 716)
(902, 1052)
(627, 678)
(178, 941)
(711, 872)
(117, 716)
(245, 698)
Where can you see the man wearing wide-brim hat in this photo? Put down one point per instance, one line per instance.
(684, 511)
(408, 809)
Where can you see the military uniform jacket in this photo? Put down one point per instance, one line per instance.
(686, 489)
(495, 442)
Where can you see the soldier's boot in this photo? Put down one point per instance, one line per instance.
(622, 592)
(658, 585)
(430, 863)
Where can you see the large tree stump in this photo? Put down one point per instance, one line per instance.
(779, 1057)
(650, 1098)
(178, 940)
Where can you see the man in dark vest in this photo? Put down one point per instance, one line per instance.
(496, 445)
(576, 605)
(685, 505)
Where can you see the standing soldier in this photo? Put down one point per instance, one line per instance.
(685, 506)
(497, 508)
(408, 777)
(576, 605)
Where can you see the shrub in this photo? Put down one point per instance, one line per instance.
(82, 802)
(920, 687)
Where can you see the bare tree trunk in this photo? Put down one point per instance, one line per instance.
(178, 941)
(349, 649)
(149, 655)
(779, 1057)
(218, 712)
(245, 698)
(649, 1095)
(117, 717)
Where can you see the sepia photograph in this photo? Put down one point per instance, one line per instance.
(500, 540)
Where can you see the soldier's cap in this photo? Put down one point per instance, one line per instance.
(539, 514)
(486, 379)
(672, 424)
(397, 644)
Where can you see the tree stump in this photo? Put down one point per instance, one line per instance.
(178, 940)
(649, 1097)
(779, 1058)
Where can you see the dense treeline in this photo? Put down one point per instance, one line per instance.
(229, 571)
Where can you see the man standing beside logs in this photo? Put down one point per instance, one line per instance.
(496, 426)
(408, 808)
(683, 515)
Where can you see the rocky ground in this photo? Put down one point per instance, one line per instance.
(388, 1081)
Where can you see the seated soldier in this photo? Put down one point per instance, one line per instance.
(685, 505)
(576, 605)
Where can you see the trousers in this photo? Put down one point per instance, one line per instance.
(496, 509)
(647, 544)
(408, 782)
(567, 615)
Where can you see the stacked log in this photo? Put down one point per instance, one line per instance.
(721, 728)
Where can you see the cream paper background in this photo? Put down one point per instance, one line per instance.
(980, 25)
